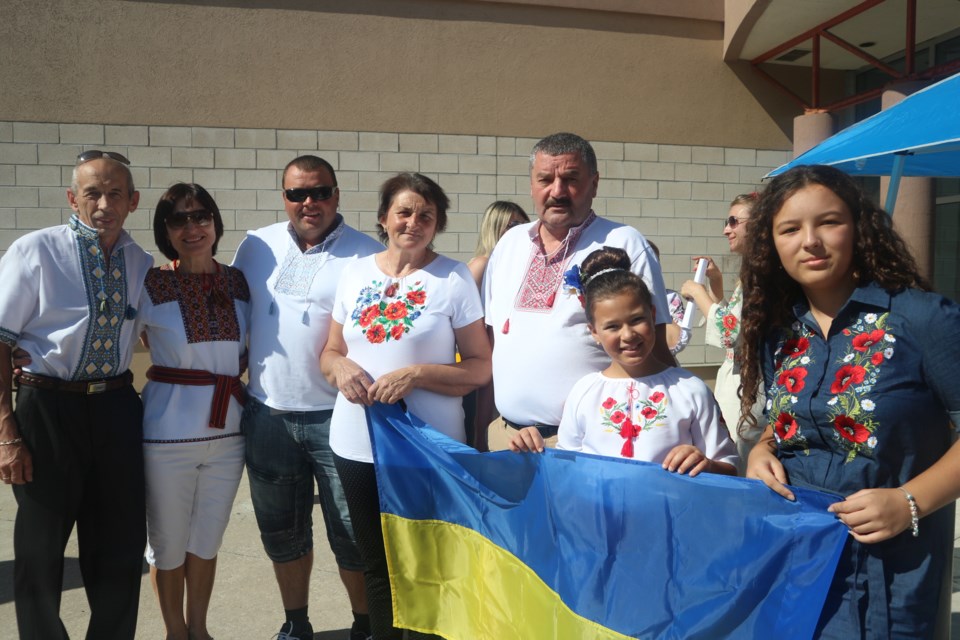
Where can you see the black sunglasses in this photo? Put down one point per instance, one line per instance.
(96, 154)
(316, 193)
(733, 222)
(179, 219)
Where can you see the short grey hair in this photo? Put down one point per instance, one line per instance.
(558, 144)
(75, 184)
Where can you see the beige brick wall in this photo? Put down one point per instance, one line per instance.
(676, 195)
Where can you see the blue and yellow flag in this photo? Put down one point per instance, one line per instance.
(563, 545)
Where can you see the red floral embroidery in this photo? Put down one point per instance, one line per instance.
(877, 358)
(649, 413)
(369, 314)
(730, 321)
(617, 417)
(866, 340)
(793, 379)
(391, 290)
(395, 310)
(417, 297)
(847, 375)
(656, 396)
(785, 426)
(795, 347)
(608, 403)
(376, 334)
(396, 331)
(850, 429)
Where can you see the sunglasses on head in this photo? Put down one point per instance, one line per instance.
(316, 193)
(733, 222)
(96, 154)
(179, 219)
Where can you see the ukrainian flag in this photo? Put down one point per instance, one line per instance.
(565, 545)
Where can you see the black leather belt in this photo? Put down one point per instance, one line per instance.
(75, 386)
(546, 430)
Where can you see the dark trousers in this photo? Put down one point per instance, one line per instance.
(87, 470)
(359, 482)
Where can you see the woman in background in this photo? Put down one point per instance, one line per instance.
(499, 216)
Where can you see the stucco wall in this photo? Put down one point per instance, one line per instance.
(427, 66)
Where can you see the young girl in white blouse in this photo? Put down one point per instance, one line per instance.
(638, 407)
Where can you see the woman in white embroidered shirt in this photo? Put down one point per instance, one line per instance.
(194, 315)
(398, 317)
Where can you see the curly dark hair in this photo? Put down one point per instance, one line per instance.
(879, 255)
(605, 273)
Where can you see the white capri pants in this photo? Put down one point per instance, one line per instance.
(190, 491)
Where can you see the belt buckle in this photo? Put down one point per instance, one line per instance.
(96, 387)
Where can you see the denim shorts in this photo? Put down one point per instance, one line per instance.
(286, 452)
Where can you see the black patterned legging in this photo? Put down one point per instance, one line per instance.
(360, 488)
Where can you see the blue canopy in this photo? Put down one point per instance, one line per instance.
(919, 136)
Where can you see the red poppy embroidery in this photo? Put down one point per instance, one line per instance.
(877, 358)
(850, 429)
(866, 340)
(793, 379)
(649, 413)
(395, 310)
(396, 331)
(617, 417)
(656, 396)
(369, 314)
(785, 426)
(608, 403)
(417, 297)
(795, 347)
(847, 375)
(730, 321)
(376, 334)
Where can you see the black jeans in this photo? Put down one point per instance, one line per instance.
(87, 470)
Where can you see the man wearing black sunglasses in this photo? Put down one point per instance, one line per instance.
(73, 448)
(292, 269)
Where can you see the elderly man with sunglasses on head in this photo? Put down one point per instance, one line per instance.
(73, 448)
(292, 269)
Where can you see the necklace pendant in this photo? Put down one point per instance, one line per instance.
(506, 326)
(391, 290)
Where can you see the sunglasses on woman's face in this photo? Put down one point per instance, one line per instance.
(733, 222)
(179, 219)
(316, 193)
(96, 154)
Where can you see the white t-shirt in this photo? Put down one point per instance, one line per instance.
(544, 352)
(390, 324)
(291, 297)
(53, 282)
(186, 332)
(669, 408)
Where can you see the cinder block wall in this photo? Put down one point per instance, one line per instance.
(676, 195)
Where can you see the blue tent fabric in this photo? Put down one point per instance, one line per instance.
(923, 129)
(640, 551)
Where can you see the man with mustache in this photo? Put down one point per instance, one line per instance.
(292, 269)
(534, 312)
(73, 449)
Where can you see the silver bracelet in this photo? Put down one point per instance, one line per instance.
(914, 513)
(7, 443)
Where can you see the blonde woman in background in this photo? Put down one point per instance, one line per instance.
(723, 321)
(499, 216)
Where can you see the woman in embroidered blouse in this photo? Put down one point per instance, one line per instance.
(723, 322)
(398, 317)
(859, 361)
(194, 315)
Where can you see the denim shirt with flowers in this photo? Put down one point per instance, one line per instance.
(870, 404)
